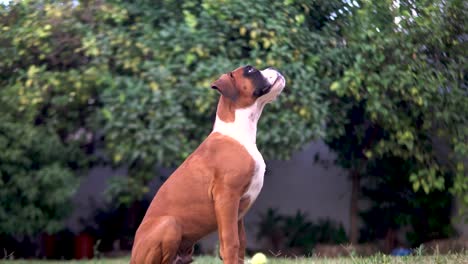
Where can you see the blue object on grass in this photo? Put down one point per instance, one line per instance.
(401, 252)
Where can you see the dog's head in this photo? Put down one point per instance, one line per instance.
(246, 85)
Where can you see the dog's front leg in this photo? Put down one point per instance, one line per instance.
(242, 240)
(226, 205)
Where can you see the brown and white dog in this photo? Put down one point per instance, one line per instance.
(215, 186)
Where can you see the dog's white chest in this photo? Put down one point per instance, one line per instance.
(244, 130)
(256, 182)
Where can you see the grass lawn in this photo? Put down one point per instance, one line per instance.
(380, 259)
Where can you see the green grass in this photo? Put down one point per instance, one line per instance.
(378, 259)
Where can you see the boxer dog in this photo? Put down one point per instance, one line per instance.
(216, 185)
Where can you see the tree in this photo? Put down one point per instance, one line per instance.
(46, 99)
(37, 179)
(133, 78)
(393, 204)
(400, 86)
(159, 107)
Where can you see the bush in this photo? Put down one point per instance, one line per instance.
(297, 232)
(37, 179)
(44, 103)
(135, 77)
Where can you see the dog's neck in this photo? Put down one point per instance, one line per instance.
(242, 124)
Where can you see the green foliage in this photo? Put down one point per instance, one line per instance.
(298, 232)
(394, 205)
(138, 73)
(143, 70)
(270, 227)
(400, 91)
(36, 179)
(135, 75)
(303, 233)
(45, 100)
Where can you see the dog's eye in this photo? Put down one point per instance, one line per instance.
(250, 69)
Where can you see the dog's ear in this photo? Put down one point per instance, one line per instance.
(226, 87)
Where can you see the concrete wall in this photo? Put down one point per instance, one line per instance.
(90, 195)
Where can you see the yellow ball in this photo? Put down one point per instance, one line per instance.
(259, 258)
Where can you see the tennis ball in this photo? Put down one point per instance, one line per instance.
(259, 258)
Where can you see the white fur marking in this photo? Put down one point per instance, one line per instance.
(244, 130)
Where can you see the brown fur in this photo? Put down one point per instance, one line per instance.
(236, 93)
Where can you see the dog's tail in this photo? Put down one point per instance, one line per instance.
(157, 241)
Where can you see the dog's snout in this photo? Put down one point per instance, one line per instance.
(270, 75)
(276, 70)
(273, 68)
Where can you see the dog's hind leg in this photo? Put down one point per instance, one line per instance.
(157, 241)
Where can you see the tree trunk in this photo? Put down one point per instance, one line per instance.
(354, 209)
(390, 240)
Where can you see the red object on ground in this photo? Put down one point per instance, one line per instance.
(84, 244)
(49, 245)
